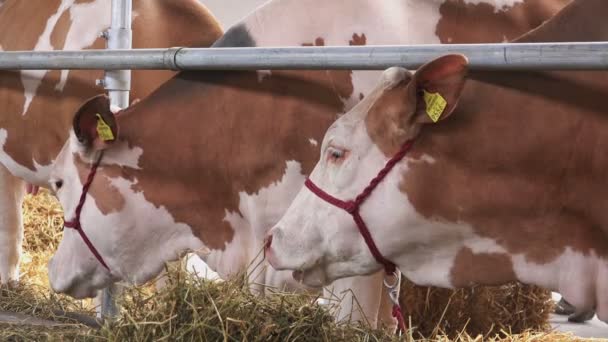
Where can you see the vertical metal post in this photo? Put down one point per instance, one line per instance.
(118, 85)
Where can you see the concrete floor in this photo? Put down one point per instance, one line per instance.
(593, 328)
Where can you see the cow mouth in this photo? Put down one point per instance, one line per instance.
(298, 275)
(314, 277)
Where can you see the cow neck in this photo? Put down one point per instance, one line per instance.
(353, 208)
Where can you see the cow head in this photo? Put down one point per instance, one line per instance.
(320, 241)
(132, 237)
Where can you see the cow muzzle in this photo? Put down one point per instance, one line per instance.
(74, 282)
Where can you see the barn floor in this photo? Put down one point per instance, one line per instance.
(593, 328)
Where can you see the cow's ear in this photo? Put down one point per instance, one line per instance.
(95, 125)
(437, 86)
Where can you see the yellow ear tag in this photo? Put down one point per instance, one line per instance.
(103, 130)
(435, 105)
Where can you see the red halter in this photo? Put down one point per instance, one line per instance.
(353, 206)
(75, 223)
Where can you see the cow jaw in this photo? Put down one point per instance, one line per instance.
(135, 238)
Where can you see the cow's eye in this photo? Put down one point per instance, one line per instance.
(58, 184)
(335, 154)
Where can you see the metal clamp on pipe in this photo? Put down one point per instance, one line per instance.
(170, 58)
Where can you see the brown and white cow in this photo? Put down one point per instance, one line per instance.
(211, 160)
(37, 106)
(508, 185)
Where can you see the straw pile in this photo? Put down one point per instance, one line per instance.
(193, 309)
(483, 310)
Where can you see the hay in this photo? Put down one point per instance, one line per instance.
(43, 224)
(482, 310)
(194, 309)
(190, 308)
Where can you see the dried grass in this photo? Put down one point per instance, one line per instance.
(193, 309)
(482, 310)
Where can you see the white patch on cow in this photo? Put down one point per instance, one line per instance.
(162, 240)
(38, 177)
(313, 142)
(234, 258)
(124, 156)
(363, 83)
(425, 158)
(483, 245)
(121, 154)
(558, 274)
(11, 223)
(88, 21)
(498, 4)
(581, 278)
(404, 22)
(263, 74)
(31, 79)
(256, 214)
(196, 266)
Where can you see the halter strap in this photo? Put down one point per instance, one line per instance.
(353, 208)
(75, 223)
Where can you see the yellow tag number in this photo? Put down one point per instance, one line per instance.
(435, 105)
(103, 130)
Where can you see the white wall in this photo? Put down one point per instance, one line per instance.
(229, 12)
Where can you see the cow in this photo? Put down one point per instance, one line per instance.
(36, 105)
(222, 154)
(491, 180)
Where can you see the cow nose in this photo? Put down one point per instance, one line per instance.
(268, 246)
(268, 255)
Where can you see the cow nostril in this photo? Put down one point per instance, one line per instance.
(268, 242)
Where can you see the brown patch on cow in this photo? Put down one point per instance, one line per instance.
(215, 147)
(384, 119)
(38, 136)
(106, 196)
(484, 23)
(59, 34)
(521, 159)
(358, 40)
(483, 268)
(514, 178)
